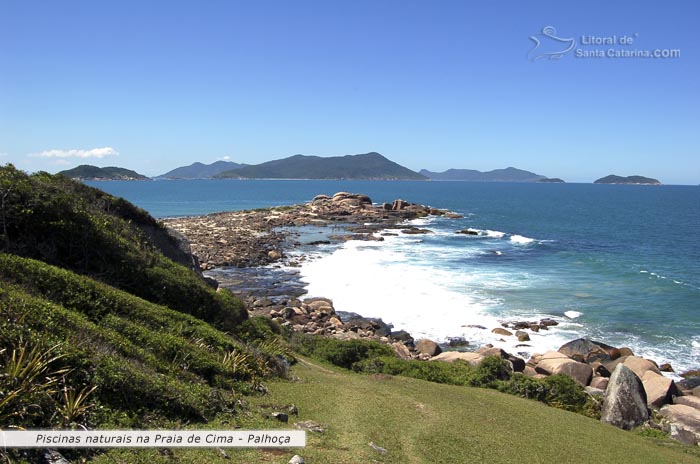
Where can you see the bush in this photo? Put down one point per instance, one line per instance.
(341, 353)
(489, 372)
(456, 373)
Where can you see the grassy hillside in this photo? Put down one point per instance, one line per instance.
(422, 422)
(70, 225)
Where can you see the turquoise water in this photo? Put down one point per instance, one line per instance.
(616, 262)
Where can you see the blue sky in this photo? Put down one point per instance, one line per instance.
(155, 85)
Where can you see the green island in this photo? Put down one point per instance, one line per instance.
(107, 323)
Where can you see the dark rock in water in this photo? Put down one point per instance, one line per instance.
(457, 341)
(402, 336)
(522, 336)
(666, 367)
(500, 331)
(625, 404)
(468, 232)
(548, 322)
(416, 231)
(429, 347)
(689, 383)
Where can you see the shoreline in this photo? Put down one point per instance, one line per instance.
(251, 241)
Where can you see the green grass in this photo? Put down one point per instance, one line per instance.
(422, 422)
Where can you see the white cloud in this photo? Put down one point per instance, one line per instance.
(224, 158)
(92, 153)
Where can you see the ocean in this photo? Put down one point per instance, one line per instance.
(617, 263)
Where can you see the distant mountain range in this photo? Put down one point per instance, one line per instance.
(497, 175)
(200, 170)
(89, 172)
(613, 179)
(368, 166)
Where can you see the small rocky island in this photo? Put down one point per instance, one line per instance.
(635, 180)
(89, 172)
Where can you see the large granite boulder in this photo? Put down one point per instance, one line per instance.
(625, 404)
(554, 362)
(639, 365)
(518, 364)
(683, 423)
(692, 401)
(450, 356)
(660, 390)
(429, 347)
(584, 350)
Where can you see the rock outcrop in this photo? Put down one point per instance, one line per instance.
(625, 404)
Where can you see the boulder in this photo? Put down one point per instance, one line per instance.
(666, 367)
(457, 341)
(624, 351)
(612, 365)
(683, 423)
(660, 390)
(597, 392)
(401, 350)
(518, 364)
(554, 362)
(429, 347)
(450, 356)
(625, 404)
(522, 336)
(468, 232)
(600, 383)
(548, 322)
(584, 350)
(296, 459)
(501, 331)
(640, 365)
(398, 205)
(692, 401)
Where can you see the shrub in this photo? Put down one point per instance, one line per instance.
(489, 372)
(456, 373)
(341, 353)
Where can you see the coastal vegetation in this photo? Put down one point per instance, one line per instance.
(107, 323)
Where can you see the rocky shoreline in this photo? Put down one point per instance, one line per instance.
(632, 389)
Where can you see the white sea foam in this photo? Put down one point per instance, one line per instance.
(380, 279)
(519, 239)
(494, 233)
(572, 314)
